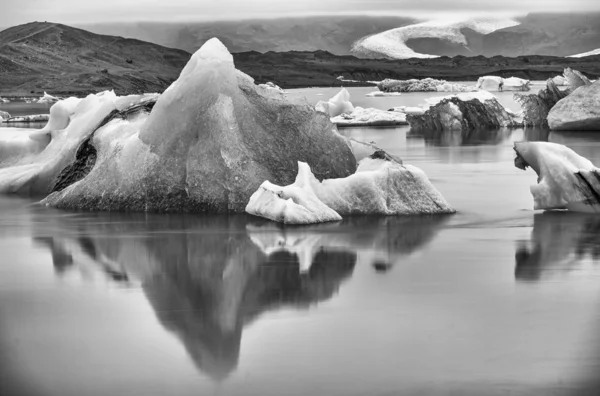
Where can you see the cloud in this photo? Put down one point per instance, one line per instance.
(77, 11)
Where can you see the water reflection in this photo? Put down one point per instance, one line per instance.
(480, 136)
(561, 243)
(207, 277)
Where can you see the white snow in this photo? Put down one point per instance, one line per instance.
(589, 53)
(379, 187)
(558, 185)
(370, 117)
(392, 43)
(337, 105)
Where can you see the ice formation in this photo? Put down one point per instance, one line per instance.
(535, 107)
(273, 86)
(392, 43)
(575, 78)
(495, 83)
(579, 111)
(29, 170)
(464, 112)
(424, 85)
(380, 186)
(208, 143)
(584, 54)
(560, 81)
(566, 180)
(48, 99)
(4, 115)
(337, 105)
(370, 117)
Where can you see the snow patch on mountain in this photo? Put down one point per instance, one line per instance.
(589, 53)
(392, 43)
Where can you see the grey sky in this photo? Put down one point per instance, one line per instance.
(13, 12)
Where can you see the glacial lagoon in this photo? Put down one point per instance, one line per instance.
(497, 299)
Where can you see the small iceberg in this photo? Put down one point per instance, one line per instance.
(566, 180)
(378, 94)
(424, 85)
(370, 117)
(337, 105)
(380, 186)
(48, 99)
(29, 118)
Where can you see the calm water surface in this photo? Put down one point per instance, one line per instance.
(495, 300)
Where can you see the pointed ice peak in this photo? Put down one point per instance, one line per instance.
(214, 49)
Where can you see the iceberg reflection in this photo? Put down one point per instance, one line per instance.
(206, 277)
(561, 244)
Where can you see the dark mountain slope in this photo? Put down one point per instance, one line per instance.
(62, 59)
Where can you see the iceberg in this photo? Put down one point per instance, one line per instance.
(424, 85)
(380, 186)
(71, 122)
(495, 83)
(566, 180)
(464, 112)
(579, 111)
(536, 107)
(370, 117)
(575, 79)
(194, 152)
(4, 115)
(48, 99)
(337, 105)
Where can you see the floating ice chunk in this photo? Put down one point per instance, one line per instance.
(579, 111)
(337, 105)
(495, 83)
(48, 99)
(566, 180)
(370, 117)
(29, 118)
(293, 204)
(380, 186)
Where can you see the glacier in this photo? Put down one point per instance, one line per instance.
(392, 43)
(380, 186)
(566, 180)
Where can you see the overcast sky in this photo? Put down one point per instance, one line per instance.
(14, 12)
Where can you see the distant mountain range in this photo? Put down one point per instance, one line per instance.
(58, 58)
(63, 60)
(380, 37)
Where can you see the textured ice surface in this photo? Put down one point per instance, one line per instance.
(566, 180)
(380, 186)
(392, 43)
(48, 99)
(423, 85)
(481, 96)
(35, 174)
